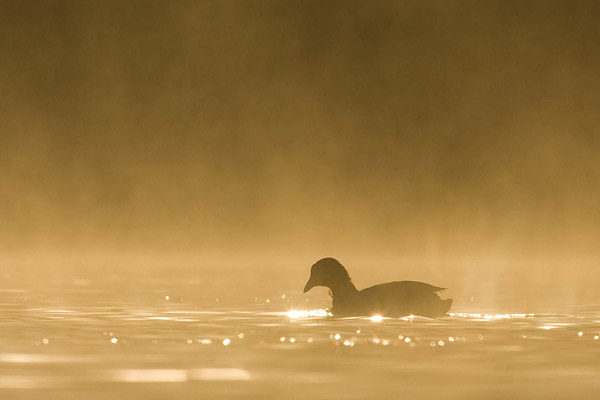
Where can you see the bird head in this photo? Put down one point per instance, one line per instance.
(326, 272)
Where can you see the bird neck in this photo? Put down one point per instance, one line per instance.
(343, 289)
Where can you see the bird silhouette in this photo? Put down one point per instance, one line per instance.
(393, 299)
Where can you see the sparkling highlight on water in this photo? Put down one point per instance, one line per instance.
(301, 314)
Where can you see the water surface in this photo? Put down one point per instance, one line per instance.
(76, 339)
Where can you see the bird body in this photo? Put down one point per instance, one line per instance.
(393, 299)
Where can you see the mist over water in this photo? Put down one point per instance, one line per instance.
(211, 152)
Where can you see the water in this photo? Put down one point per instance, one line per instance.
(92, 336)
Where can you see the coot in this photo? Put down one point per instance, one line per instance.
(393, 299)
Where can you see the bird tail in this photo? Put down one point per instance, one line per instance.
(446, 304)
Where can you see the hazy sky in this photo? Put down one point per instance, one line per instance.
(427, 128)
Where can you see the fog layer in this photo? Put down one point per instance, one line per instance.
(433, 131)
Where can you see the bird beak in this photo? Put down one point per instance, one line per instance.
(309, 285)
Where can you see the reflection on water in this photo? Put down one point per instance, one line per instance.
(51, 345)
(180, 375)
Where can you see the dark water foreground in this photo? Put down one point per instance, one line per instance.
(179, 350)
